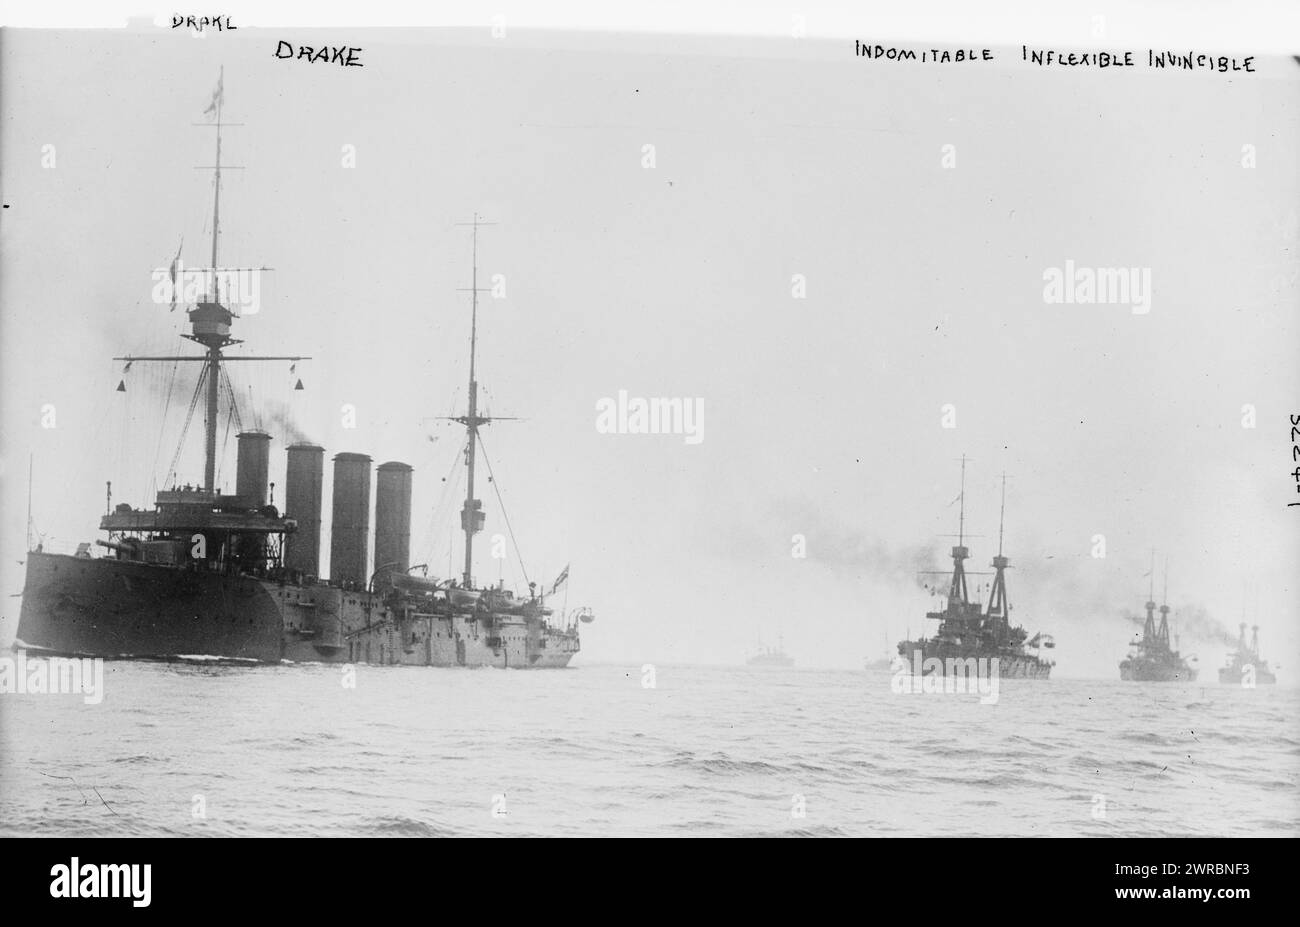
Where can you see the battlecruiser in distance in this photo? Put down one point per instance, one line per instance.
(1153, 658)
(966, 632)
(1245, 665)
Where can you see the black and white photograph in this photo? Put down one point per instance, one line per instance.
(650, 423)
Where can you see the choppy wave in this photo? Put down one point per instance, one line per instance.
(207, 749)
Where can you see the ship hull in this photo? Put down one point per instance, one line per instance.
(1231, 676)
(770, 661)
(117, 609)
(952, 660)
(1152, 671)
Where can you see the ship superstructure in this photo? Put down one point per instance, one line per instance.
(967, 632)
(211, 574)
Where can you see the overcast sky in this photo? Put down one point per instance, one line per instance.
(823, 416)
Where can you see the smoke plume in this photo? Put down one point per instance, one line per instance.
(278, 419)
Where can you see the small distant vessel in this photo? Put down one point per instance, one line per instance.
(1153, 659)
(1246, 661)
(771, 656)
(885, 661)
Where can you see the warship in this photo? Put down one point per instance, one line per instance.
(771, 656)
(210, 574)
(966, 632)
(1153, 659)
(1245, 662)
(885, 661)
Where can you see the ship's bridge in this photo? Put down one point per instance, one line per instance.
(186, 509)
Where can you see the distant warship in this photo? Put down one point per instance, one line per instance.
(1246, 655)
(966, 633)
(771, 656)
(1153, 659)
(205, 573)
(885, 661)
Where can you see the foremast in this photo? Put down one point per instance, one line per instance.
(216, 338)
(210, 321)
(1149, 629)
(960, 616)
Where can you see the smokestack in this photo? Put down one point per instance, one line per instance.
(350, 525)
(252, 467)
(392, 520)
(304, 476)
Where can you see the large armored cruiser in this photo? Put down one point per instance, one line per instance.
(1153, 658)
(1245, 664)
(967, 633)
(211, 574)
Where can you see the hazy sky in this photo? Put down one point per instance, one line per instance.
(822, 416)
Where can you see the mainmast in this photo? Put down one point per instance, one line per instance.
(1163, 633)
(957, 591)
(471, 516)
(998, 598)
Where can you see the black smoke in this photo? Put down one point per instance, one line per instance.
(277, 419)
